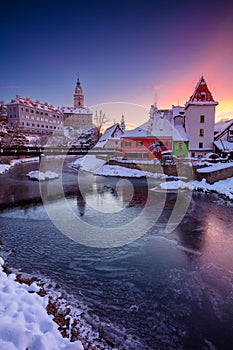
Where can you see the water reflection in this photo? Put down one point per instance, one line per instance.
(81, 203)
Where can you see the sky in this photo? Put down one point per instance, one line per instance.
(127, 53)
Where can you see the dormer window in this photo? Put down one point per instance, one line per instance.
(203, 94)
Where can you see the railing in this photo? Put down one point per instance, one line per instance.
(53, 150)
(6, 151)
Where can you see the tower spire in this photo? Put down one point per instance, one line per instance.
(78, 95)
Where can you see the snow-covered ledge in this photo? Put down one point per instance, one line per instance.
(42, 176)
(215, 172)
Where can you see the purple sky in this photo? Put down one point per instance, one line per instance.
(127, 51)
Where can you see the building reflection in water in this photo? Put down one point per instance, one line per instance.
(81, 203)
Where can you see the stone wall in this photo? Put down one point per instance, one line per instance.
(216, 175)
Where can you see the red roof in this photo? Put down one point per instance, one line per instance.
(201, 94)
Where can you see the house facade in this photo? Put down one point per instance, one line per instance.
(184, 131)
(78, 116)
(33, 116)
(150, 139)
(164, 131)
(111, 138)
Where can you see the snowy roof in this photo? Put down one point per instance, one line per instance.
(201, 95)
(140, 131)
(72, 110)
(27, 102)
(159, 126)
(221, 126)
(179, 133)
(224, 145)
(177, 110)
(114, 132)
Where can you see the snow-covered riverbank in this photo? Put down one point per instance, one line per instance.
(99, 167)
(25, 323)
(4, 168)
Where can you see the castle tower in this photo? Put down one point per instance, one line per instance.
(78, 95)
(200, 119)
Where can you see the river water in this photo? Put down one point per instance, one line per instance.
(160, 289)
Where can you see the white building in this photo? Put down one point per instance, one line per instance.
(33, 116)
(78, 116)
(200, 119)
(223, 135)
(111, 138)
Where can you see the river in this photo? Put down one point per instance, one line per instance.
(154, 289)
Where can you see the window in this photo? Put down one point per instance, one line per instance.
(37, 112)
(193, 154)
(38, 125)
(231, 132)
(128, 143)
(202, 119)
(144, 155)
(139, 143)
(41, 113)
(33, 124)
(32, 111)
(203, 94)
(201, 132)
(26, 109)
(200, 144)
(180, 145)
(28, 124)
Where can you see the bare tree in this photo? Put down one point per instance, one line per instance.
(100, 120)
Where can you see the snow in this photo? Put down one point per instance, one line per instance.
(42, 176)
(89, 163)
(222, 187)
(4, 168)
(114, 132)
(119, 171)
(175, 185)
(221, 126)
(33, 104)
(215, 167)
(99, 167)
(224, 145)
(25, 323)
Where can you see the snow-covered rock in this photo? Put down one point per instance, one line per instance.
(119, 171)
(4, 168)
(222, 187)
(42, 176)
(25, 323)
(89, 163)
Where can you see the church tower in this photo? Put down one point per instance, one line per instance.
(200, 120)
(78, 95)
